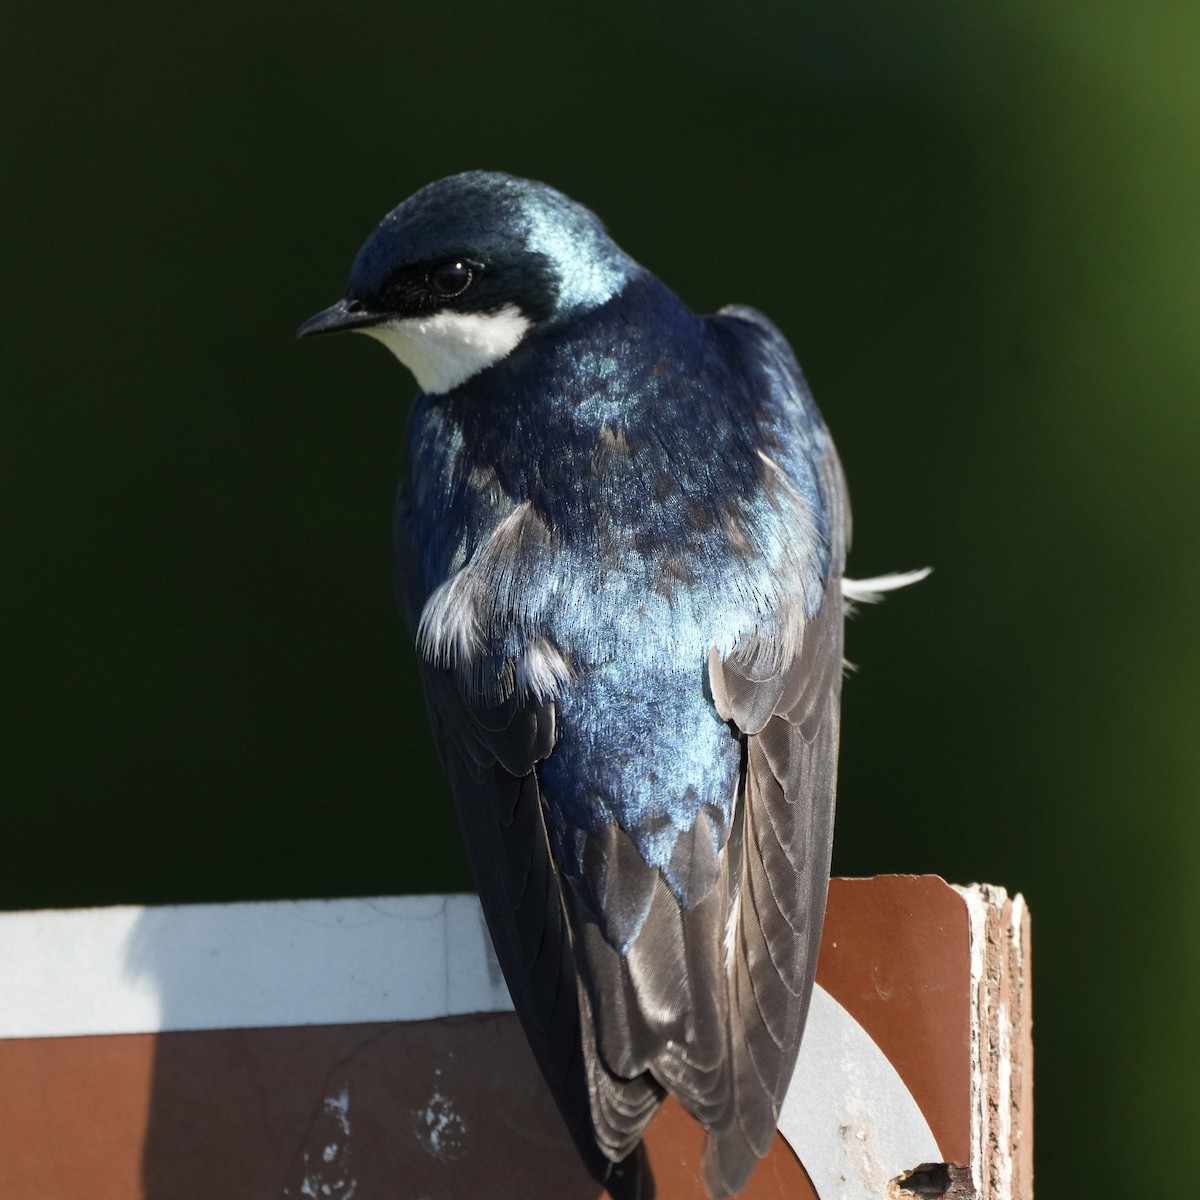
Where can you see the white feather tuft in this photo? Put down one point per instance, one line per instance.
(871, 591)
(542, 670)
(448, 632)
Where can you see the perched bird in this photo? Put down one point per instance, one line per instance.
(620, 542)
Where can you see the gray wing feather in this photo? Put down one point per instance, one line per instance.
(790, 723)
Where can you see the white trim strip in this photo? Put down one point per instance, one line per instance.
(66, 973)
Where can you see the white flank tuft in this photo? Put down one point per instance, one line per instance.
(448, 632)
(447, 348)
(542, 670)
(871, 591)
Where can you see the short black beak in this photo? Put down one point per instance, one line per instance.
(345, 314)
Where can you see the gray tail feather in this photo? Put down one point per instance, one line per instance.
(729, 1161)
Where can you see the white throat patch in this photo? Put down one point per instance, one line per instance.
(447, 348)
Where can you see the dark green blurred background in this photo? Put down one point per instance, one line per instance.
(978, 226)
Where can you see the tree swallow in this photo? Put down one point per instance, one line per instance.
(620, 542)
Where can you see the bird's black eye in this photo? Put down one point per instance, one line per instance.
(451, 279)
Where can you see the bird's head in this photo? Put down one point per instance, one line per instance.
(464, 270)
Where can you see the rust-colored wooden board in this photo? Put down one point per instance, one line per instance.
(920, 1038)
